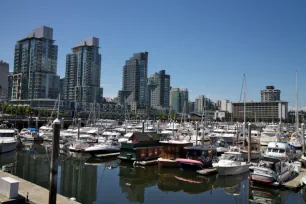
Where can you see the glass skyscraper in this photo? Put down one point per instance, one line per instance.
(134, 82)
(83, 73)
(159, 90)
(35, 66)
(179, 100)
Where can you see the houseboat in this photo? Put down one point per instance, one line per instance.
(141, 147)
(171, 150)
(197, 157)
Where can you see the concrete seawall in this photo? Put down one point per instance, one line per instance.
(36, 194)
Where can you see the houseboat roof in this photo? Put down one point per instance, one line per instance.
(129, 134)
(175, 142)
(199, 147)
(146, 136)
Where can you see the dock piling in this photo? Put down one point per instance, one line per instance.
(54, 161)
(249, 143)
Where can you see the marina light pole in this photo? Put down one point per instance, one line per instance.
(54, 161)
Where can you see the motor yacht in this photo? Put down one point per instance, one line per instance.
(271, 169)
(231, 163)
(110, 146)
(7, 140)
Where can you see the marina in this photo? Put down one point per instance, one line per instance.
(147, 160)
(110, 181)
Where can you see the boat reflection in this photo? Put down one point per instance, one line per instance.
(134, 180)
(174, 180)
(263, 195)
(232, 184)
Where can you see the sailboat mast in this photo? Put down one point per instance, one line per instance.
(297, 106)
(58, 105)
(244, 108)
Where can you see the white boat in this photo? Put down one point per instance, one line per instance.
(30, 134)
(110, 146)
(270, 170)
(221, 146)
(296, 141)
(78, 146)
(7, 140)
(268, 135)
(280, 150)
(231, 163)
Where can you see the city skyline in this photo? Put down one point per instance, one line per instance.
(233, 38)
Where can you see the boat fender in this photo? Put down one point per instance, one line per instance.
(73, 199)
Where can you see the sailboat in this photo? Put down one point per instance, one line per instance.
(296, 140)
(255, 149)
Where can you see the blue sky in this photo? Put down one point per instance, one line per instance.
(205, 46)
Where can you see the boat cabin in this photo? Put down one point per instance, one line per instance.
(7, 133)
(141, 147)
(197, 157)
(173, 149)
(280, 150)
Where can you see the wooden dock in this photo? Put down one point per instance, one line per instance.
(36, 194)
(145, 163)
(108, 155)
(297, 181)
(208, 171)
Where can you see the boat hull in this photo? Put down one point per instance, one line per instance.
(102, 151)
(232, 170)
(167, 163)
(262, 179)
(7, 146)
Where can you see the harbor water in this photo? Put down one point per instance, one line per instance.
(93, 181)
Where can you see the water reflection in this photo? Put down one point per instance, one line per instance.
(260, 194)
(93, 180)
(134, 180)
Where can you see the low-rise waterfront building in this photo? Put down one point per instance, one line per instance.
(261, 111)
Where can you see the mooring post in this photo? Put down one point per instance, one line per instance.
(143, 126)
(303, 139)
(54, 161)
(197, 132)
(249, 142)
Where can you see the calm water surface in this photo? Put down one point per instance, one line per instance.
(109, 181)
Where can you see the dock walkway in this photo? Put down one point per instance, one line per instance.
(36, 194)
(296, 182)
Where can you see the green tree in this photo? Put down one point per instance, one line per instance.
(173, 115)
(28, 110)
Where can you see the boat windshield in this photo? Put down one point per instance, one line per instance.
(229, 157)
(276, 150)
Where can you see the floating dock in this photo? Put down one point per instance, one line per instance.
(36, 194)
(296, 182)
(145, 163)
(208, 171)
(108, 155)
